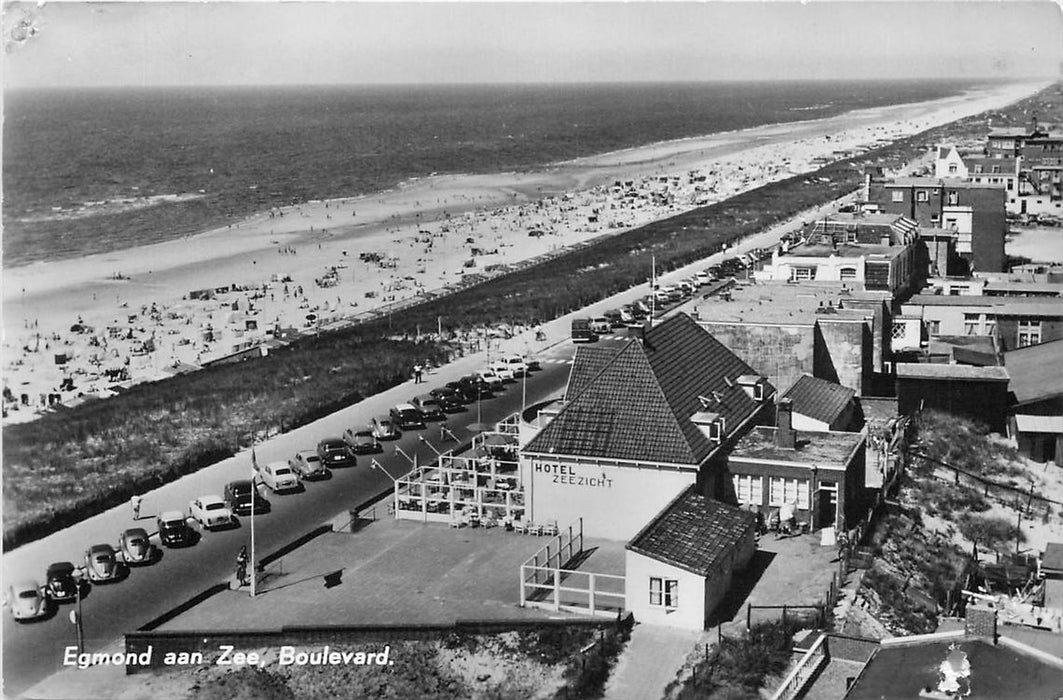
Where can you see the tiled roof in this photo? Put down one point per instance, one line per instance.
(1035, 372)
(590, 360)
(819, 399)
(638, 405)
(693, 532)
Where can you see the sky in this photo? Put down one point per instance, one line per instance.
(272, 43)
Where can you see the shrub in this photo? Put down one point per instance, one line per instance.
(992, 533)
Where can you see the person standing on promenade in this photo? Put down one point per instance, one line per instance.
(134, 502)
(418, 371)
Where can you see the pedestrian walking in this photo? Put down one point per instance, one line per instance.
(417, 372)
(134, 502)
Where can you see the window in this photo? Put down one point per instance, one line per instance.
(749, 489)
(922, 196)
(952, 223)
(716, 430)
(898, 195)
(847, 273)
(900, 329)
(978, 167)
(971, 324)
(1029, 333)
(664, 592)
(952, 168)
(758, 392)
(954, 198)
(933, 327)
(990, 326)
(802, 273)
(788, 491)
(996, 168)
(935, 219)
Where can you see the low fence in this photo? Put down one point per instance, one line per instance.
(205, 645)
(812, 615)
(1025, 499)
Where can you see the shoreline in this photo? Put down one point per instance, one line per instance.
(423, 234)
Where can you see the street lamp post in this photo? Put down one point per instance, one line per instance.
(430, 446)
(75, 615)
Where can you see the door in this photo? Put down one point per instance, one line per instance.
(826, 504)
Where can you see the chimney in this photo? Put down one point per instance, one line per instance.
(981, 621)
(785, 436)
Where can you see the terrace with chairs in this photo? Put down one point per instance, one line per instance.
(481, 488)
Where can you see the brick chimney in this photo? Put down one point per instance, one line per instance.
(785, 435)
(981, 621)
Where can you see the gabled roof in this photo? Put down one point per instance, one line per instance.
(693, 532)
(819, 399)
(638, 405)
(1035, 372)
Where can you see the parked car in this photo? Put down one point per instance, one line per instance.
(532, 363)
(278, 476)
(600, 325)
(211, 512)
(173, 529)
(135, 546)
(615, 318)
(407, 417)
(362, 442)
(334, 452)
(491, 379)
(59, 583)
(472, 388)
(582, 332)
(702, 278)
(449, 398)
(101, 563)
(502, 369)
(308, 466)
(242, 495)
(26, 600)
(384, 428)
(515, 364)
(430, 407)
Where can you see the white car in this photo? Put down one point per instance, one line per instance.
(26, 600)
(515, 363)
(601, 325)
(493, 381)
(211, 512)
(278, 476)
(503, 370)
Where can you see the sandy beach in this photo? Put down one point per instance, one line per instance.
(75, 327)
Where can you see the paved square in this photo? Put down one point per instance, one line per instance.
(394, 571)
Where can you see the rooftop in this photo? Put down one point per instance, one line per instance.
(929, 370)
(819, 399)
(829, 448)
(1034, 371)
(693, 532)
(780, 303)
(638, 404)
(931, 182)
(1039, 424)
(1053, 558)
(844, 250)
(997, 671)
(1010, 306)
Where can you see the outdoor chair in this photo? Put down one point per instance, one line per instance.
(551, 529)
(456, 521)
(522, 527)
(536, 528)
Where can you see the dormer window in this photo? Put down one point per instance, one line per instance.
(758, 391)
(716, 430)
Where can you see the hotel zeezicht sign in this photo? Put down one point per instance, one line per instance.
(571, 476)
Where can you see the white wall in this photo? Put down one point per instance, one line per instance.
(801, 422)
(614, 501)
(690, 614)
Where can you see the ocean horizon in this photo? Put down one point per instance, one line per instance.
(79, 165)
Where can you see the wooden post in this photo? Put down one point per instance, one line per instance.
(591, 593)
(522, 586)
(749, 616)
(557, 589)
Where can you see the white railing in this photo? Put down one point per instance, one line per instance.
(814, 659)
(545, 585)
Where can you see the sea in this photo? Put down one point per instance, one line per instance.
(237, 151)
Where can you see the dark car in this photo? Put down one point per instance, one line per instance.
(59, 583)
(451, 400)
(135, 546)
(174, 530)
(430, 407)
(238, 497)
(362, 442)
(472, 388)
(335, 453)
(407, 417)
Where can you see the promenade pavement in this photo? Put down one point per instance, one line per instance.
(650, 661)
